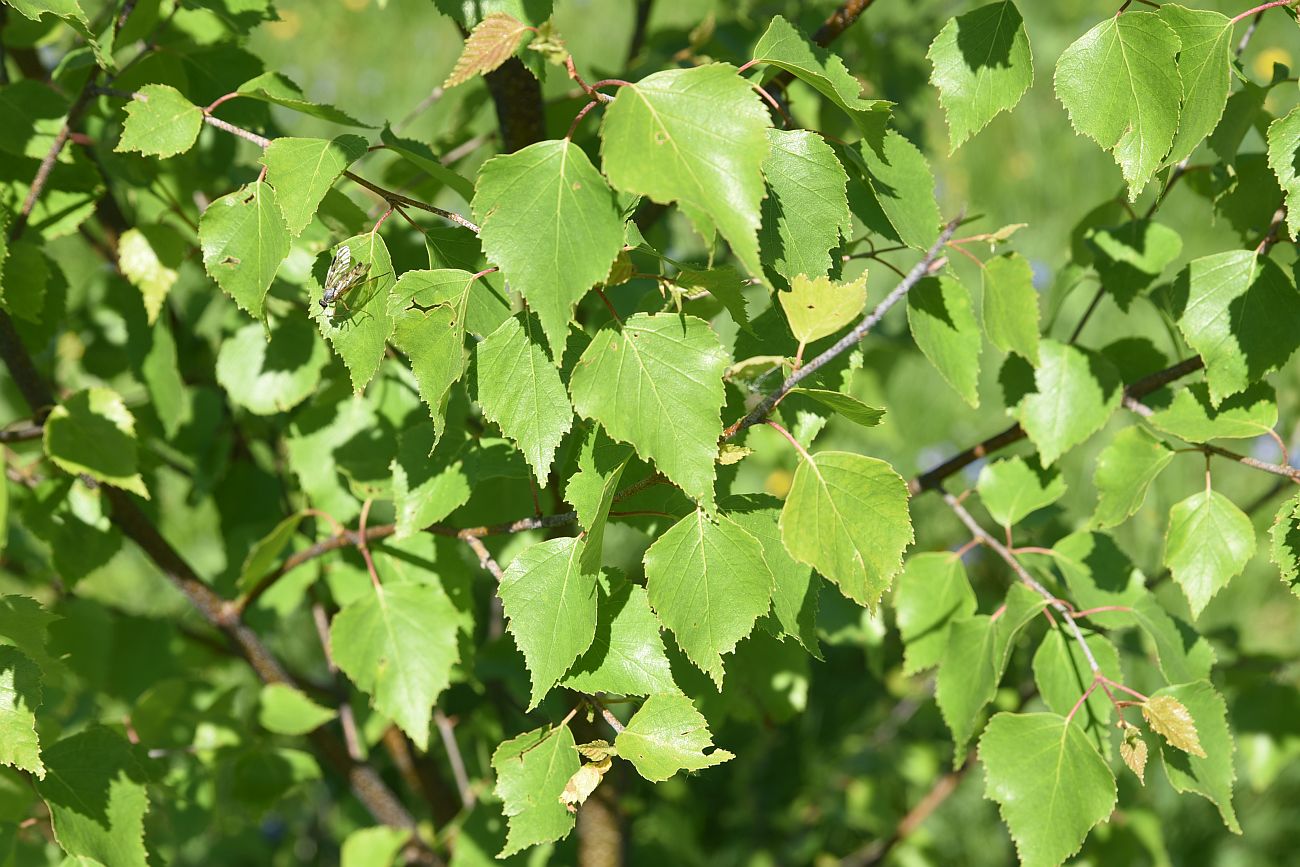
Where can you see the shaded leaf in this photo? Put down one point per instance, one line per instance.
(93, 432)
(1130, 257)
(666, 735)
(1210, 777)
(1076, 391)
(1125, 470)
(1011, 305)
(244, 240)
(942, 319)
(807, 207)
(1191, 416)
(1285, 535)
(277, 88)
(794, 588)
(285, 710)
(933, 591)
(1013, 488)
(626, 656)
(532, 770)
(845, 405)
(20, 696)
(269, 376)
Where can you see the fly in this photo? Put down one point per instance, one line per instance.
(341, 278)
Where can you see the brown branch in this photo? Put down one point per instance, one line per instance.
(838, 21)
(876, 851)
(932, 479)
(517, 97)
(29, 431)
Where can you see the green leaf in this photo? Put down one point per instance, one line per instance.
(265, 554)
(898, 178)
(656, 383)
(1125, 469)
(160, 122)
(551, 604)
(1283, 146)
(807, 207)
(1205, 67)
(942, 320)
(150, 257)
(93, 432)
(1181, 652)
(34, 9)
(20, 696)
(846, 516)
(398, 644)
(1077, 390)
(430, 309)
(1190, 416)
(26, 281)
(849, 407)
(1209, 542)
(160, 371)
(1062, 674)
(1121, 85)
(794, 589)
(591, 490)
(244, 240)
(697, 137)
(1015, 487)
(818, 307)
(1216, 299)
(982, 66)
(363, 319)
(531, 772)
(933, 591)
(95, 790)
(425, 489)
(627, 655)
(418, 154)
(280, 90)
(709, 583)
(974, 660)
(269, 376)
(286, 710)
(725, 284)
(303, 170)
(4, 503)
(1210, 776)
(24, 624)
(552, 225)
(520, 390)
(1051, 786)
(1011, 305)
(782, 46)
(1130, 257)
(666, 735)
(373, 847)
(1285, 535)
(491, 43)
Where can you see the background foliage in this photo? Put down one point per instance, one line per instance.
(224, 637)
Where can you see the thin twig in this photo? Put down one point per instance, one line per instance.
(485, 557)
(447, 732)
(1134, 405)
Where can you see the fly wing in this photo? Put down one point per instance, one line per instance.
(339, 272)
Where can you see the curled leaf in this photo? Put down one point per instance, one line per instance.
(583, 783)
(1133, 750)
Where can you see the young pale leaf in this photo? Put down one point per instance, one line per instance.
(1051, 786)
(286, 710)
(1130, 257)
(150, 256)
(108, 827)
(697, 137)
(942, 319)
(532, 770)
(272, 376)
(551, 604)
(93, 432)
(666, 735)
(244, 240)
(1214, 300)
(1210, 776)
(363, 320)
(846, 516)
(398, 644)
(849, 407)
(982, 66)
(583, 782)
(591, 490)
(373, 847)
(1121, 85)
(430, 309)
(303, 170)
(656, 384)
(521, 391)
(1011, 305)
(1133, 750)
(160, 122)
(490, 44)
(1285, 536)
(1015, 487)
(785, 48)
(273, 87)
(20, 696)
(1168, 717)
(1209, 542)
(1077, 390)
(974, 660)
(1125, 469)
(1283, 146)
(794, 590)
(1205, 67)
(933, 591)
(899, 181)
(1191, 416)
(818, 307)
(554, 253)
(709, 583)
(807, 206)
(627, 655)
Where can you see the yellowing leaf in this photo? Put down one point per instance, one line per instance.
(820, 307)
(1170, 717)
(583, 782)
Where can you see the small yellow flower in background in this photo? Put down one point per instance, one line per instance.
(356, 5)
(1265, 59)
(287, 27)
(778, 483)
